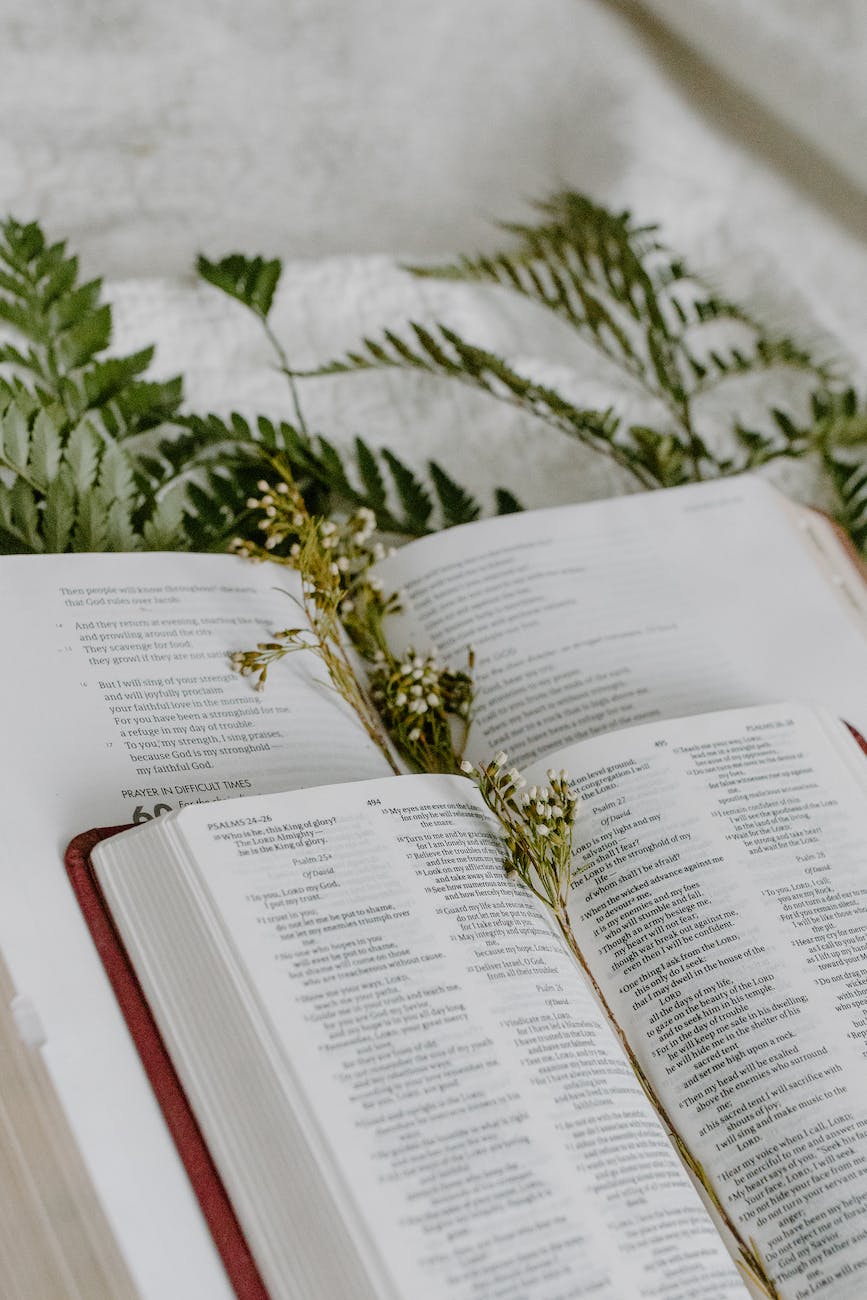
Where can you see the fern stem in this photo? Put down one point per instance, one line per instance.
(751, 1261)
(21, 474)
(287, 372)
(696, 450)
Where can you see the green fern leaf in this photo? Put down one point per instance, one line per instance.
(165, 524)
(457, 506)
(45, 449)
(82, 457)
(413, 497)
(116, 483)
(86, 336)
(120, 535)
(24, 514)
(851, 484)
(58, 517)
(106, 379)
(90, 529)
(15, 437)
(251, 280)
(75, 309)
(331, 464)
(23, 321)
(371, 477)
(506, 502)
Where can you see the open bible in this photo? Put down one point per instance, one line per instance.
(118, 706)
(408, 1088)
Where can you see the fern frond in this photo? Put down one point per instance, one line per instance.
(625, 294)
(67, 326)
(61, 487)
(439, 351)
(330, 479)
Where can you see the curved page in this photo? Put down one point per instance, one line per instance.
(589, 618)
(724, 910)
(118, 704)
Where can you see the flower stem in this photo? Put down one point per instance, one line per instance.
(750, 1261)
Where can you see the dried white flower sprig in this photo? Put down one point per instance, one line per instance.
(421, 706)
(333, 562)
(426, 707)
(538, 826)
(348, 547)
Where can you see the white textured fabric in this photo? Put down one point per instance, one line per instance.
(344, 134)
(805, 59)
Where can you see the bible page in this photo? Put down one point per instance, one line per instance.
(461, 1093)
(118, 704)
(585, 619)
(723, 909)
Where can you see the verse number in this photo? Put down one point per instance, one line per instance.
(141, 816)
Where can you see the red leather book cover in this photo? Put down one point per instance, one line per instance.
(203, 1175)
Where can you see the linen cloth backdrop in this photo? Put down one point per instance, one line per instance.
(346, 135)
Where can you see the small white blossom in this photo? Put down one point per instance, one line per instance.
(466, 766)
